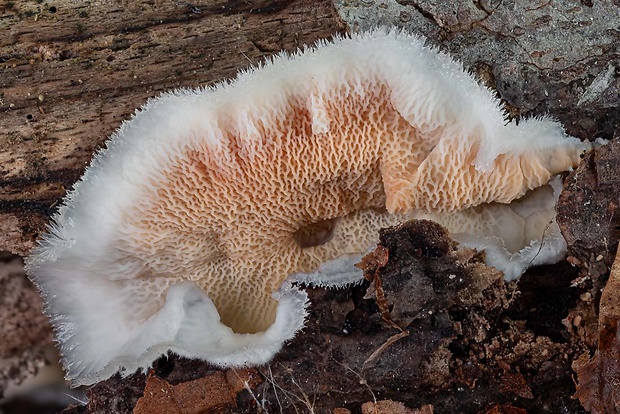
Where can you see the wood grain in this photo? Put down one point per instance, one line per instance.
(71, 72)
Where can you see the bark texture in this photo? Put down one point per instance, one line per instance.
(71, 72)
(555, 57)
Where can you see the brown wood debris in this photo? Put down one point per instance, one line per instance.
(504, 409)
(212, 394)
(393, 407)
(598, 386)
(387, 407)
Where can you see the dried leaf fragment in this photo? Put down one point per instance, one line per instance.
(504, 409)
(215, 393)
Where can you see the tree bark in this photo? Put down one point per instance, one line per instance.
(72, 72)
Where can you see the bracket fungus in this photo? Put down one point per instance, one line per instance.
(188, 232)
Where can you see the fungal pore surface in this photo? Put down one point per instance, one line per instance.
(189, 231)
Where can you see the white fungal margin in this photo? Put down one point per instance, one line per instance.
(513, 236)
(188, 324)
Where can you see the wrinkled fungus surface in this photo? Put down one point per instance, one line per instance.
(181, 234)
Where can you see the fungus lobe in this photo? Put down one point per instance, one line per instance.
(184, 232)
